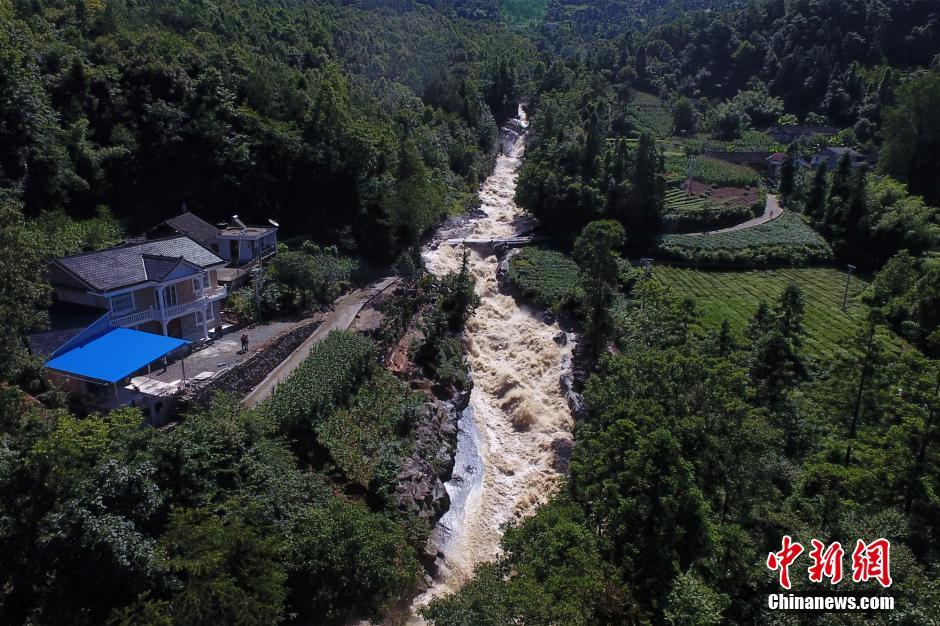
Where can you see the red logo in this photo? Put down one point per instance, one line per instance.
(826, 563)
(872, 560)
(869, 561)
(782, 560)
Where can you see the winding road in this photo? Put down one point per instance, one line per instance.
(772, 210)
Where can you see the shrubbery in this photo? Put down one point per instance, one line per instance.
(547, 277)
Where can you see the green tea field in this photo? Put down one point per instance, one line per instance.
(735, 295)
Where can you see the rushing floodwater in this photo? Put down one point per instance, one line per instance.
(505, 453)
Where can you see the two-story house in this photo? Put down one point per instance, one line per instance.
(236, 242)
(165, 286)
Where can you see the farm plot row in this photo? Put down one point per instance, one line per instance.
(785, 240)
(707, 208)
(735, 295)
(547, 277)
(710, 171)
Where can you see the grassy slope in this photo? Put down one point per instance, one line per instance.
(735, 296)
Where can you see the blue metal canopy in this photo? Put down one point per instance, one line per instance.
(114, 355)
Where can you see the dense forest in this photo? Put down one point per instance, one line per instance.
(253, 109)
(708, 429)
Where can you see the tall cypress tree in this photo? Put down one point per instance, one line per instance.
(648, 189)
(787, 177)
(815, 206)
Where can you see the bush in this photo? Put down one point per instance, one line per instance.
(548, 278)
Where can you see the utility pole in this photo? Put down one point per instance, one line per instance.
(845, 296)
(866, 370)
(257, 275)
(647, 274)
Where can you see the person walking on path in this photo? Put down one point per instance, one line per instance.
(244, 343)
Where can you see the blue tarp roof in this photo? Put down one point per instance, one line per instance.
(114, 355)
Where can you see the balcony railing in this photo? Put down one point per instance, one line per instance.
(132, 319)
(215, 294)
(170, 312)
(182, 309)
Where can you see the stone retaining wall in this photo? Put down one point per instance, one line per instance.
(242, 378)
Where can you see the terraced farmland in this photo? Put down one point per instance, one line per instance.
(709, 209)
(678, 201)
(735, 295)
(785, 240)
(652, 114)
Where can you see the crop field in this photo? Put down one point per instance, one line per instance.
(678, 201)
(786, 239)
(735, 295)
(652, 113)
(711, 171)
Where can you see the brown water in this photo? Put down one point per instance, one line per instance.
(505, 459)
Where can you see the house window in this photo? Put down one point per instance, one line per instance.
(122, 302)
(205, 280)
(169, 296)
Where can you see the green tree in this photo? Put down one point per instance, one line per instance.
(692, 602)
(23, 292)
(642, 491)
(683, 117)
(646, 196)
(815, 206)
(229, 573)
(458, 297)
(596, 252)
(787, 178)
(345, 562)
(911, 151)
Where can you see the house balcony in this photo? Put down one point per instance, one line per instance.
(179, 310)
(171, 312)
(211, 295)
(133, 319)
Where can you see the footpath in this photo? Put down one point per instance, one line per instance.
(772, 210)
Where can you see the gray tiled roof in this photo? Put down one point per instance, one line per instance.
(157, 267)
(123, 266)
(194, 227)
(65, 321)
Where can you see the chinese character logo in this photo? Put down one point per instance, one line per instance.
(826, 563)
(782, 560)
(869, 561)
(872, 560)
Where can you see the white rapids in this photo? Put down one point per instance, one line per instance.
(505, 466)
